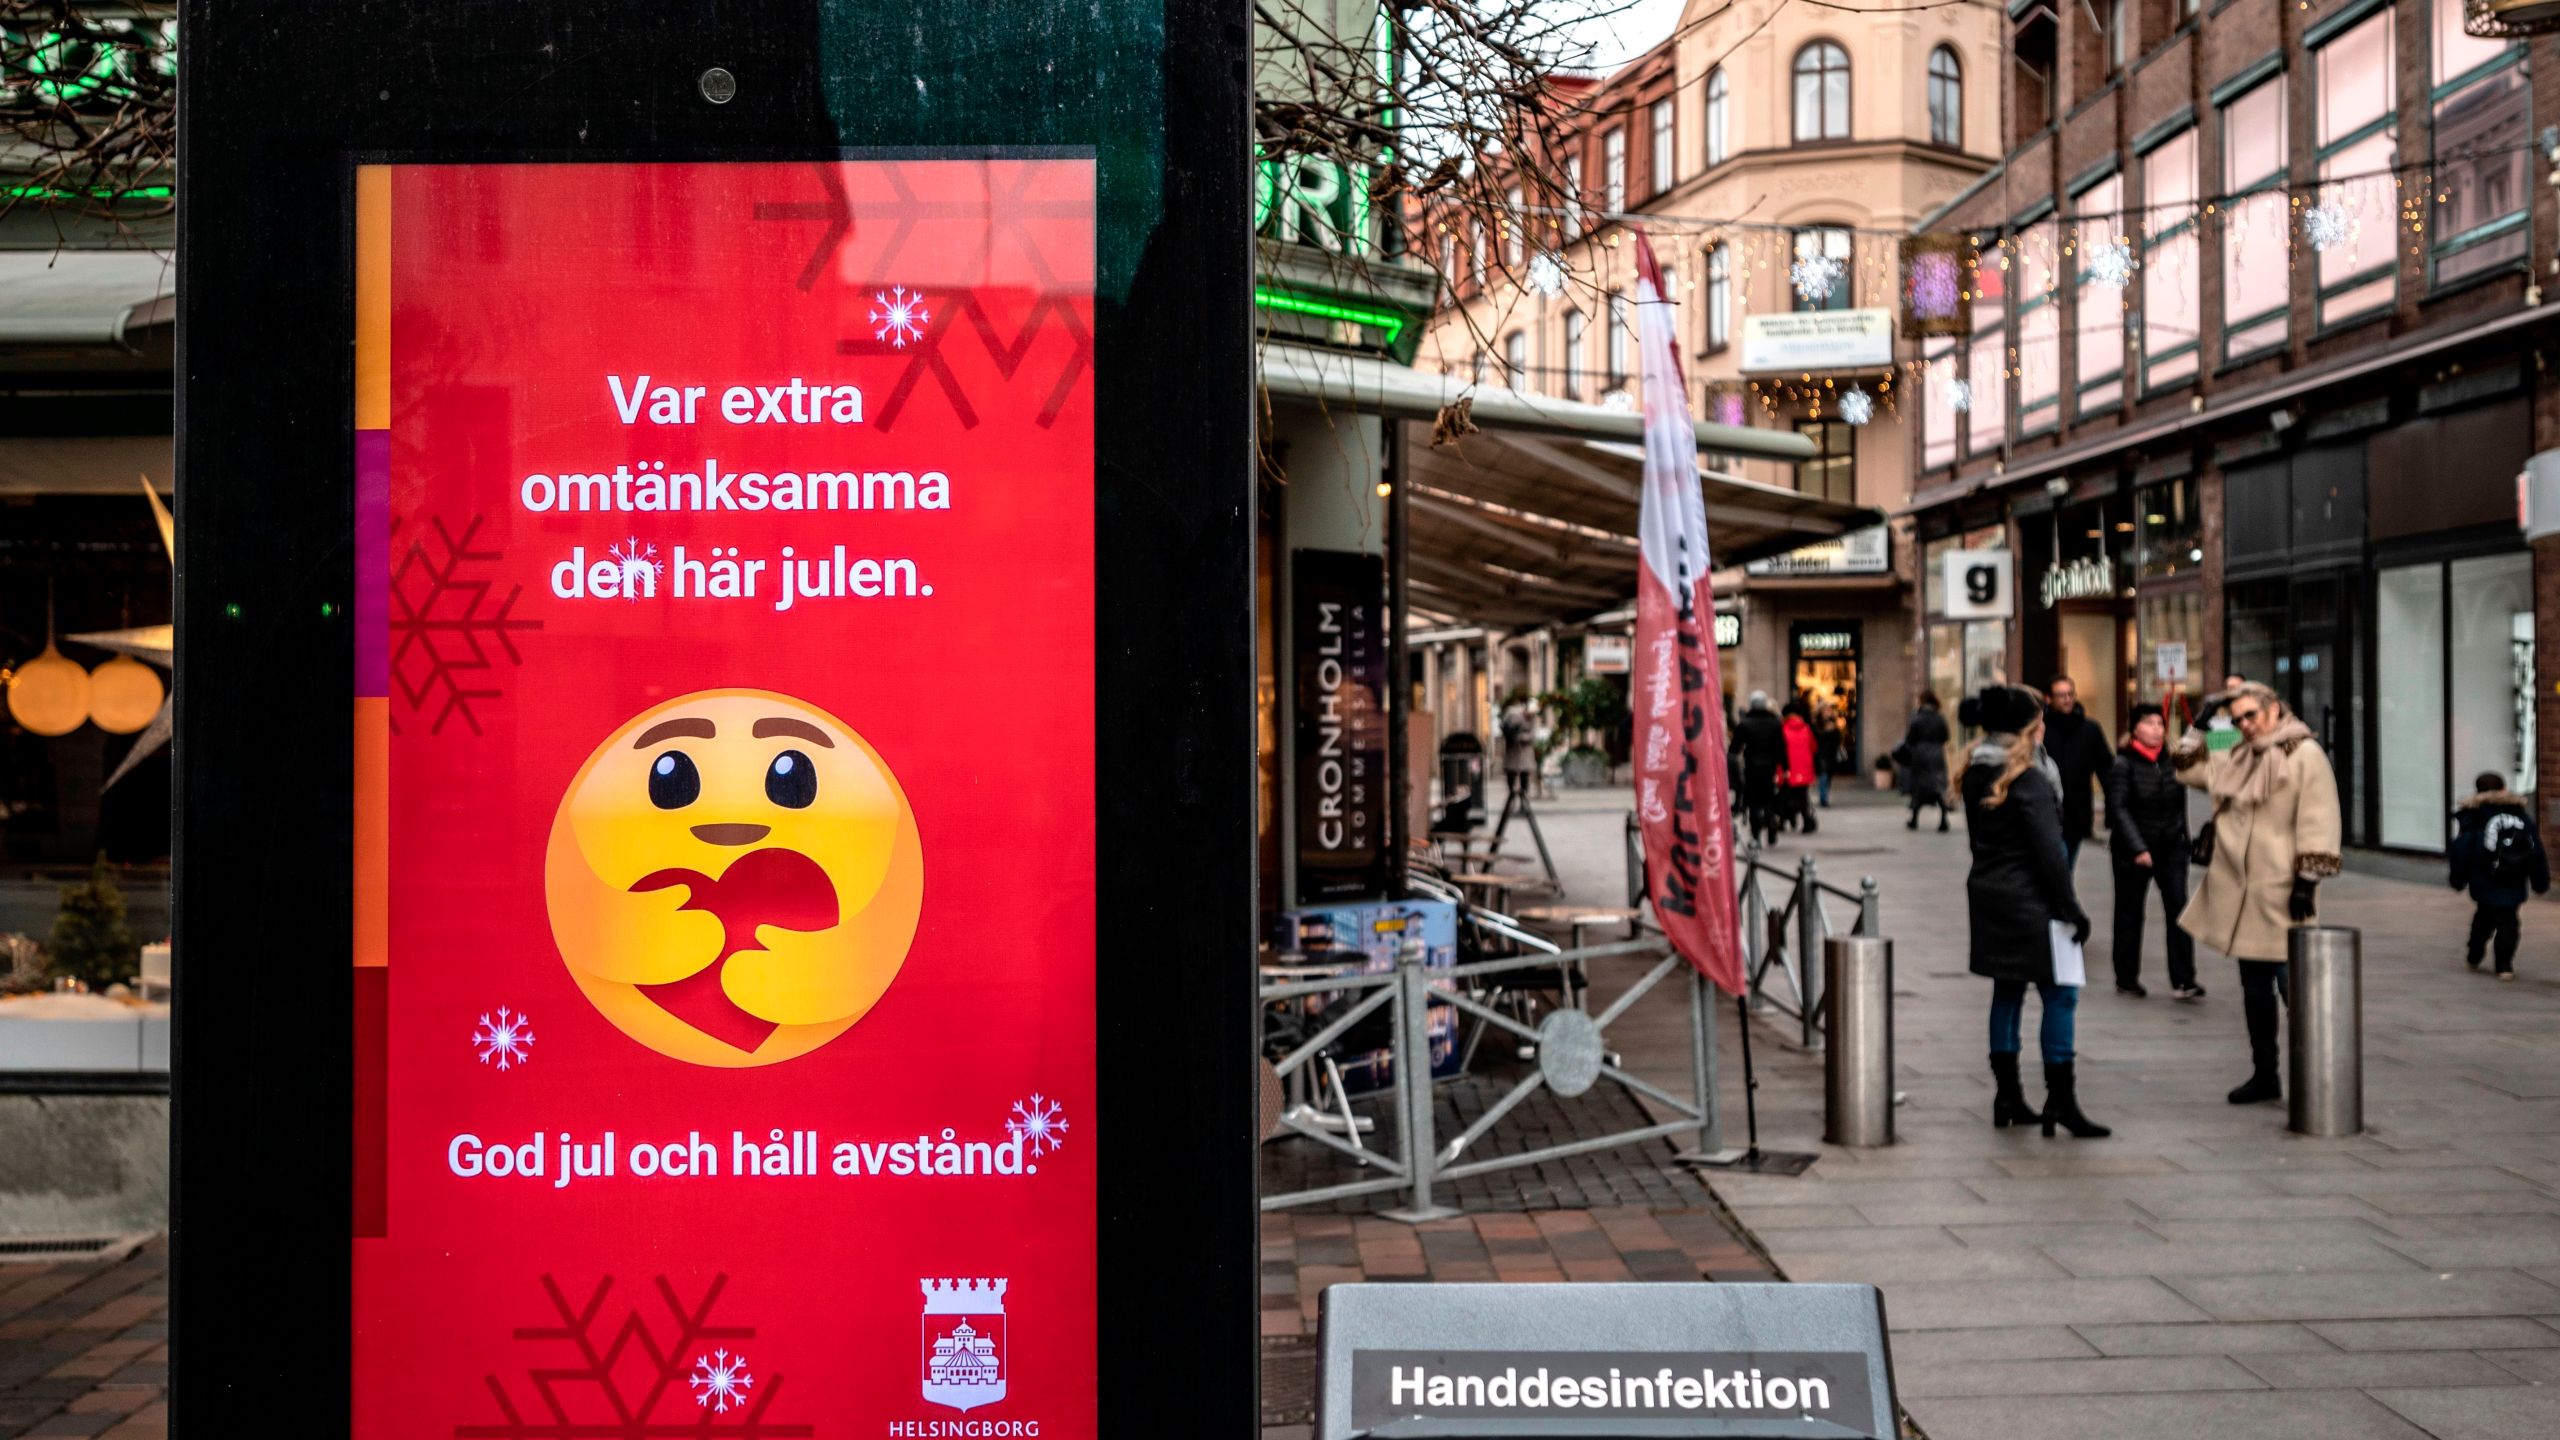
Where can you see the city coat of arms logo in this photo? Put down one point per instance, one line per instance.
(964, 1355)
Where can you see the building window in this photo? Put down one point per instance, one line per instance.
(1615, 346)
(1476, 372)
(2458, 637)
(1515, 231)
(1449, 260)
(1938, 412)
(1946, 99)
(1476, 254)
(1719, 297)
(2358, 144)
(2171, 538)
(1573, 194)
(1613, 173)
(1515, 359)
(1573, 337)
(2483, 124)
(2119, 35)
(1822, 92)
(1665, 158)
(2037, 269)
(1831, 240)
(1719, 135)
(2099, 327)
(2256, 264)
(1832, 473)
(2172, 306)
(1987, 363)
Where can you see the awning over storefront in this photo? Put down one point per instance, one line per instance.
(82, 297)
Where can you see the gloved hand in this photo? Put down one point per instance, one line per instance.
(2212, 705)
(2304, 887)
(2080, 930)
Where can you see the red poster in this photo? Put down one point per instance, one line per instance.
(725, 845)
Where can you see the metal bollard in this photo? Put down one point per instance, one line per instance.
(2325, 1055)
(1857, 1071)
(1808, 949)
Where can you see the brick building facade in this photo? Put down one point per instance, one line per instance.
(2213, 446)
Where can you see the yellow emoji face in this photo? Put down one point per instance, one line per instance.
(734, 877)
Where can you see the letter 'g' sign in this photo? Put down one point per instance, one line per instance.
(1575, 1359)
(1980, 584)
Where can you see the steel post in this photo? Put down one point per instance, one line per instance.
(1413, 1086)
(1857, 1070)
(2326, 1056)
(1870, 907)
(1702, 1062)
(1809, 950)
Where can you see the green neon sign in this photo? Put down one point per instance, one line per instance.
(1387, 320)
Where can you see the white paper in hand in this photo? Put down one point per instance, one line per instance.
(2070, 966)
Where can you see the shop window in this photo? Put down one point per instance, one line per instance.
(1938, 406)
(1719, 122)
(2483, 116)
(2256, 226)
(1515, 359)
(1987, 364)
(2171, 530)
(1832, 473)
(1665, 166)
(1834, 241)
(1615, 345)
(1573, 338)
(1719, 297)
(1613, 172)
(2171, 617)
(2099, 339)
(1946, 99)
(2037, 270)
(2408, 619)
(2358, 144)
(2489, 640)
(2172, 308)
(1822, 92)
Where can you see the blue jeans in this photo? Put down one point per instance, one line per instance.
(1822, 785)
(2009, 1001)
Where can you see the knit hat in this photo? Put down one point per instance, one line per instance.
(2007, 709)
(2142, 712)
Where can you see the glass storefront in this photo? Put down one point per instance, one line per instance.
(1963, 655)
(2458, 697)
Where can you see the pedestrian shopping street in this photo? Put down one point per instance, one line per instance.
(2203, 1272)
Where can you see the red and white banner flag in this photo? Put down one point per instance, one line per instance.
(1682, 799)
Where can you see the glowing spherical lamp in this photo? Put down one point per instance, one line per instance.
(49, 695)
(124, 694)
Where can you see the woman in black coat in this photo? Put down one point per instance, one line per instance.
(1923, 757)
(2019, 887)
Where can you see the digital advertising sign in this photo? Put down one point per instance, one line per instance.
(725, 801)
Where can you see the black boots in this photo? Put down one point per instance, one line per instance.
(2009, 1100)
(2260, 1004)
(2062, 1105)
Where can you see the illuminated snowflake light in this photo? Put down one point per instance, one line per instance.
(506, 1037)
(1959, 395)
(2111, 264)
(639, 565)
(899, 316)
(1039, 1123)
(1934, 285)
(2328, 226)
(1857, 407)
(1814, 276)
(1546, 275)
(720, 1380)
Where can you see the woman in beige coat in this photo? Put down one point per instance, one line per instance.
(2275, 838)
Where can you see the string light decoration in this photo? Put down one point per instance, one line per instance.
(2110, 264)
(1813, 277)
(1857, 407)
(2509, 19)
(1546, 275)
(1960, 395)
(2327, 226)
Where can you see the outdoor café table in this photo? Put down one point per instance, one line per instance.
(1494, 887)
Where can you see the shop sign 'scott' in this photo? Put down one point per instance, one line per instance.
(1682, 800)
(725, 846)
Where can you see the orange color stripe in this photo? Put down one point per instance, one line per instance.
(373, 297)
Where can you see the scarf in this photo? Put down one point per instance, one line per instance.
(2249, 774)
(2147, 752)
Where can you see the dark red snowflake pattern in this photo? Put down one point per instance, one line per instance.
(628, 1381)
(447, 636)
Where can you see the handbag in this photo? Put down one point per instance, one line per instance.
(2200, 849)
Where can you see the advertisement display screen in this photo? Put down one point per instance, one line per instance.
(725, 801)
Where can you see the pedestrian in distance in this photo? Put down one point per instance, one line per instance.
(1922, 756)
(2272, 839)
(1760, 748)
(2079, 749)
(2017, 894)
(2147, 840)
(1796, 783)
(1826, 750)
(2496, 853)
(1519, 750)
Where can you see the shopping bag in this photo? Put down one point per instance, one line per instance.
(2070, 964)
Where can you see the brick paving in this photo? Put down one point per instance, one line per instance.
(84, 1346)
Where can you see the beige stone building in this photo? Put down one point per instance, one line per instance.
(1744, 142)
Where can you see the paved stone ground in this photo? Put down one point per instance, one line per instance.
(2204, 1272)
(84, 1347)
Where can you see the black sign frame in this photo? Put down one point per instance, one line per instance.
(278, 101)
(1338, 640)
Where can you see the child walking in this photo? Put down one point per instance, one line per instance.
(2496, 853)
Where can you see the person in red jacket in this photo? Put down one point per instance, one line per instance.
(1795, 783)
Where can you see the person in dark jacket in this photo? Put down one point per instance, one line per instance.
(2147, 838)
(2079, 749)
(1761, 746)
(2496, 852)
(2018, 890)
(1826, 750)
(1923, 758)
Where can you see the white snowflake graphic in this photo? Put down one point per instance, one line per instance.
(507, 1038)
(900, 315)
(639, 564)
(1857, 407)
(1039, 1123)
(720, 1380)
(1813, 276)
(1546, 274)
(1959, 395)
(2328, 226)
(2111, 264)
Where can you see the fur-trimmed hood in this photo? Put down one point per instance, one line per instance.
(2495, 799)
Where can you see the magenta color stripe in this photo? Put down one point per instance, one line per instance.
(373, 558)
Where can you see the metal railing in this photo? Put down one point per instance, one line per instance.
(1785, 938)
